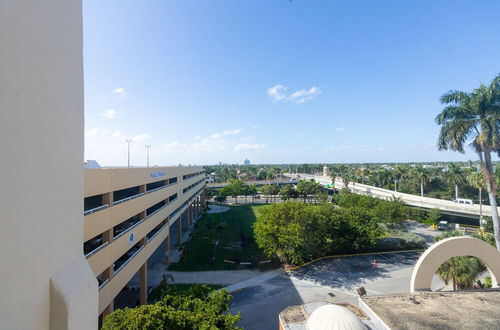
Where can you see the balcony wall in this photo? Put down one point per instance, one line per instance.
(110, 290)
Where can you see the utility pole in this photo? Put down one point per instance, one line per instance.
(128, 153)
(147, 149)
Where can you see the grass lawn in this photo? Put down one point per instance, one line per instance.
(236, 242)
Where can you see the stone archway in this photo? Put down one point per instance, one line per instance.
(433, 257)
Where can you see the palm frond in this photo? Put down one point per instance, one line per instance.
(454, 134)
(455, 96)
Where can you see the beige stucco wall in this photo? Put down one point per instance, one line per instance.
(102, 181)
(41, 139)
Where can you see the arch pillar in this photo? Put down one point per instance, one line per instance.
(437, 254)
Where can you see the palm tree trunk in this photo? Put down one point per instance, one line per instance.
(480, 207)
(492, 190)
(422, 188)
(456, 191)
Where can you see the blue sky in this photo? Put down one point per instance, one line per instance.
(279, 81)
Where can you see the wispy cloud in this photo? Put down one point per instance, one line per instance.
(278, 93)
(109, 147)
(120, 91)
(110, 114)
(249, 146)
(340, 129)
(275, 92)
(224, 133)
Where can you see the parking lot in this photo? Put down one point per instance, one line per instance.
(332, 280)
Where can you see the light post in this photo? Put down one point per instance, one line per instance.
(128, 153)
(147, 149)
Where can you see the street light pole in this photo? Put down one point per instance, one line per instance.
(147, 149)
(128, 153)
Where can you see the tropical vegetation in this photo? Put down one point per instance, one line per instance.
(197, 308)
(474, 118)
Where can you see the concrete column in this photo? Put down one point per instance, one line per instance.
(108, 273)
(107, 199)
(142, 188)
(167, 250)
(108, 235)
(189, 216)
(144, 284)
(108, 310)
(179, 223)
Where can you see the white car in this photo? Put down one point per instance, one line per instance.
(463, 201)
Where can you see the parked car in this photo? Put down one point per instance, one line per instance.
(442, 225)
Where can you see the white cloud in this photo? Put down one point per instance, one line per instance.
(110, 114)
(120, 91)
(109, 147)
(300, 96)
(229, 132)
(340, 129)
(248, 146)
(275, 92)
(141, 137)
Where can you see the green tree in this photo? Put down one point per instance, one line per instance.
(303, 189)
(284, 231)
(421, 175)
(476, 180)
(401, 172)
(220, 197)
(267, 191)
(288, 192)
(198, 309)
(297, 232)
(252, 190)
(474, 117)
(392, 212)
(455, 176)
(433, 215)
(234, 188)
(462, 272)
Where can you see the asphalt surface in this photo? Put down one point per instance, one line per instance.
(333, 280)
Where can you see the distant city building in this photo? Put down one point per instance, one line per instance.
(246, 162)
(326, 170)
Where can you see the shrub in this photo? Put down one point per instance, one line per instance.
(407, 241)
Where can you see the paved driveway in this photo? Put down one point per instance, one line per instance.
(333, 280)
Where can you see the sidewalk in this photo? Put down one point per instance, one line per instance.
(255, 280)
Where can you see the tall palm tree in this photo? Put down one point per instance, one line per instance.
(476, 179)
(401, 172)
(474, 117)
(421, 175)
(455, 176)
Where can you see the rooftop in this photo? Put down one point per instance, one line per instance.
(438, 310)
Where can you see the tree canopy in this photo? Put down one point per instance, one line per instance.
(200, 308)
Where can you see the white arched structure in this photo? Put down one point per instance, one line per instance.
(441, 251)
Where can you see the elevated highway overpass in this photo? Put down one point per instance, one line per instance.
(445, 206)
(257, 183)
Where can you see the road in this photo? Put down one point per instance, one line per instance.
(413, 200)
